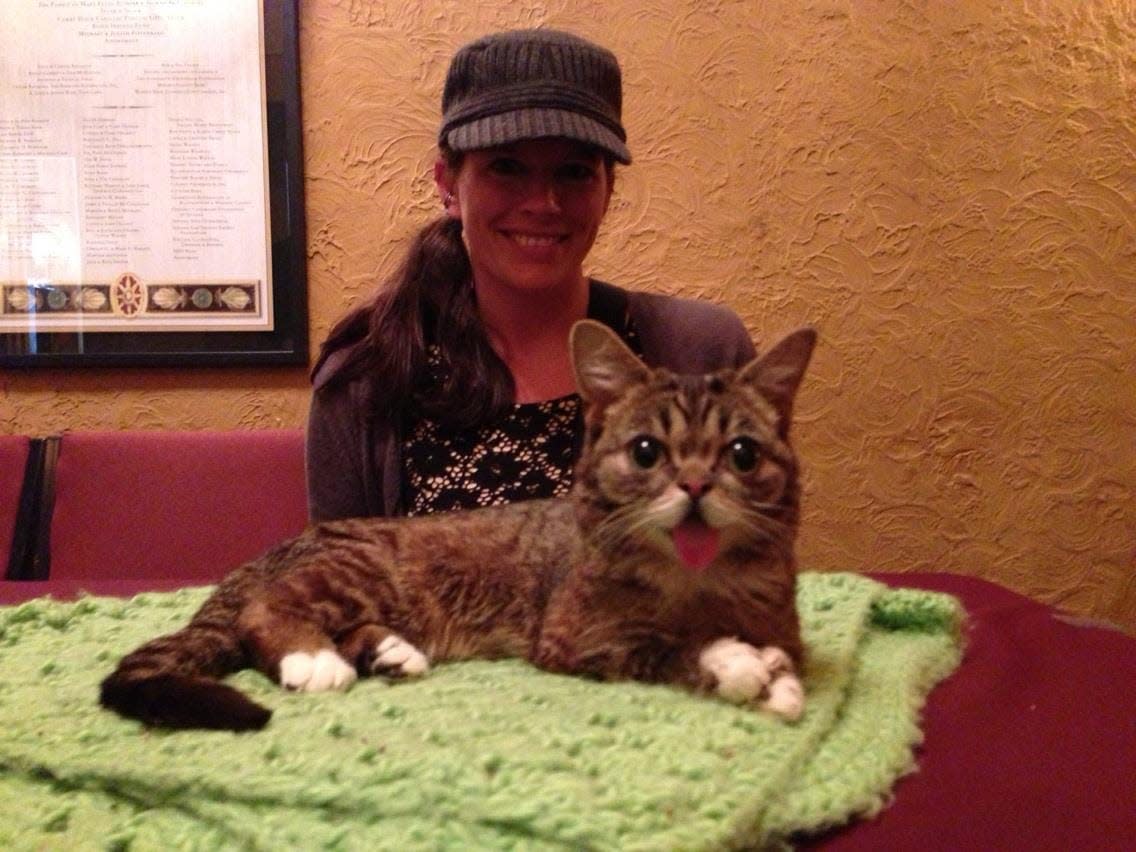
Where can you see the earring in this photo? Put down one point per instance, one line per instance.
(447, 200)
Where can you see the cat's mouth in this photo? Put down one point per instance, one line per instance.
(695, 542)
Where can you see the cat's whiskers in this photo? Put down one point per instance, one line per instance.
(763, 528)
(627, 522)
(671, 507)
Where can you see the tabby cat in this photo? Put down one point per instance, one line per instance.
(671, 560)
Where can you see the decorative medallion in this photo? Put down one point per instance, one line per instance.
(127, 295)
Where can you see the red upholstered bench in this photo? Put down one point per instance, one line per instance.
(13, 460)
(167, 508)
(1030, 744)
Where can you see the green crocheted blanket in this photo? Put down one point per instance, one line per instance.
(479, 755)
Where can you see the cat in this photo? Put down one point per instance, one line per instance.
(670, 560)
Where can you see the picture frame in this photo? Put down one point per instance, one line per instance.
(193, 313)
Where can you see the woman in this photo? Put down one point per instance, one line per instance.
(452, 388)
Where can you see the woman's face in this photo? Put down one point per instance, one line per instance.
(530, 211)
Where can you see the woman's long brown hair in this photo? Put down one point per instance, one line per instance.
(428, 301)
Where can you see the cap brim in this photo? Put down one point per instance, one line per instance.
(540, 123)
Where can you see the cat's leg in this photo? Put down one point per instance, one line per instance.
(742, 673)
(377, 650)
(784, 695)
(608, 654)
(736, 670)
(321, 671)
(293, 651)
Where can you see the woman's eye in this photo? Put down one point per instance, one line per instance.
(576, 172)
(743, 454)
(646, 451)
(507, 166)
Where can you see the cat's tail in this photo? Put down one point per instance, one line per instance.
(173, 682)
(176, 701)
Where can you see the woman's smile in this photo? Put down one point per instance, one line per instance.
(535, 239)
(533, 247)
(530, 211)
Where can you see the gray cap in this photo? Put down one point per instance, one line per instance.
(532, 84)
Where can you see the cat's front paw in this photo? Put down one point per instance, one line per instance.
(395, 657)
(319, 672)
(743, 673)
(737, 669)
(784, 695)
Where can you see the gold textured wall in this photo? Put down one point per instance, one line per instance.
(945, 189)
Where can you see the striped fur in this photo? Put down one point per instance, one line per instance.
(590, 584)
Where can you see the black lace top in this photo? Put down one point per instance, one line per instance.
(526, 454)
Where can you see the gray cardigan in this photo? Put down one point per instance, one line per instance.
(354, 467)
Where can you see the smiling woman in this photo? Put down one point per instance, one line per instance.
(530, 211)
(452, 387)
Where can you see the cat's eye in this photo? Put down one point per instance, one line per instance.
(743, 454)
(646, 451)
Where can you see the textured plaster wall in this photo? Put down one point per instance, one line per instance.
(945, 189)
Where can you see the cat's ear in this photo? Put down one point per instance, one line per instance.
(777, 374)
(603, 364)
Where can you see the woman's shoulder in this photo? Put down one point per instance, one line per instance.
(694, 315)
(688, 335)
(331, 373)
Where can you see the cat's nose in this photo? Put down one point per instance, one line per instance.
(695, 486)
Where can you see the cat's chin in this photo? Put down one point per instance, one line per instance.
(696, 543)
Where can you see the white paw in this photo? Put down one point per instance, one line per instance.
(395, 657)
(738, 668)
(317, 672)
(786, 697)
(776, 660)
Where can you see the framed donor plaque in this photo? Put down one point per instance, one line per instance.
(151, 184)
